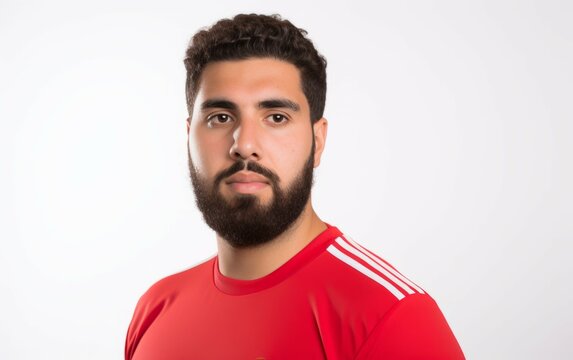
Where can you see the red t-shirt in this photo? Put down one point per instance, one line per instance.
(333, 300)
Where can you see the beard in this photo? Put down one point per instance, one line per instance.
(243, 221)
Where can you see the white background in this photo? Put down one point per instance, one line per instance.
(449, 153)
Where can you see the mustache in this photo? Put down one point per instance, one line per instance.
(250, 166)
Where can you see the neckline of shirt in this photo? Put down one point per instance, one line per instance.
(316, 247)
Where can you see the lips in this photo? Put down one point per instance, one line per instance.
(246, 177)
(247, 182)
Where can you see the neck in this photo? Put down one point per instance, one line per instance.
(256, 262)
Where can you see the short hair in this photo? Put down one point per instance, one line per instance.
(258, 36)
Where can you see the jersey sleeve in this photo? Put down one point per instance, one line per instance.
(414, 328)
(135, 329)
(148, 308)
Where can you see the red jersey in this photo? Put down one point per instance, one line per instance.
(333, 300)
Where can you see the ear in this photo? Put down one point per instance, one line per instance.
(188, 125)
(320, 129)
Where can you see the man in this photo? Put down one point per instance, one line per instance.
(284, 284)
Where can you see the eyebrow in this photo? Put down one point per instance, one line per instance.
(265, 104)
(219, 104)
(279, 103)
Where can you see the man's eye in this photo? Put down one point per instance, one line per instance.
(277, 118)
(219, 119)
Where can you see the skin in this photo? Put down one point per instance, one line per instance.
(277, 137)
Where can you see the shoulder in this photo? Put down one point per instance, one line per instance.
(159, 297)
(362, 269)
(175, 283)
(405, 321)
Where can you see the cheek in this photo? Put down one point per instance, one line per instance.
(207, 154)
(290, 155)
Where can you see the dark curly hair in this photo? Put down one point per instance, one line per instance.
(258, 36)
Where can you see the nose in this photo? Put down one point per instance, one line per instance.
(246, 141)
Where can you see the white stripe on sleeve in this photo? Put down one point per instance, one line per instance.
(364, 270)
(374, 264)
(386, 266)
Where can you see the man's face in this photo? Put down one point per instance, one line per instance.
(252, 148)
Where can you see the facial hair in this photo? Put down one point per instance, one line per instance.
(243, 221)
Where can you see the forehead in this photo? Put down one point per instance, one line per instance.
(250, 80)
